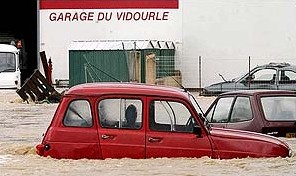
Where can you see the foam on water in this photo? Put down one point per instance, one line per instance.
(4, 158)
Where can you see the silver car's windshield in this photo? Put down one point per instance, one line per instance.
(7, 62)
(279, 108)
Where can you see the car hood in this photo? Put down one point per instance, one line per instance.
(237, 144)
(220, 83)
(241, 134)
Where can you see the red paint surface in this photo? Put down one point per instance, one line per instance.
(109, 4)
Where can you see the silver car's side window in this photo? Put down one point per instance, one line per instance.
(287, 77)
(120, 113)
(222, 109)
(290, 74)
(264, 75)
(78, 114)
(241, 110)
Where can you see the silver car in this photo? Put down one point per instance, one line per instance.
(272, 76)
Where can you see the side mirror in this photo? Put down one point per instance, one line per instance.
(197, 130)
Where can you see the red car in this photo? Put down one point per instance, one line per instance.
(118, 120)
(271, 112)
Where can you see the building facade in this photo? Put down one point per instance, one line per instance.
(211, 37)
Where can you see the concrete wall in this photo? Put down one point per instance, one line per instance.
(226, 32)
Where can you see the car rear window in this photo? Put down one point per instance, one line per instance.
(78, 114)
(279, 108)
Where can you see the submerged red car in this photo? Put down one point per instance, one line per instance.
(128, 120)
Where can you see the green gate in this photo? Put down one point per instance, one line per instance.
(110, 61)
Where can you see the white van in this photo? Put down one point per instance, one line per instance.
(10, 74)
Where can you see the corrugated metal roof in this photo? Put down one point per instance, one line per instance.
(163, 45)
(171, 45)
(120, 45)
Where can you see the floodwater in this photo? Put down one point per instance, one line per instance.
(22, 125)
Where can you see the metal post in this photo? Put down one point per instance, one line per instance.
(249, 77)
(199, 76)
(49, 71)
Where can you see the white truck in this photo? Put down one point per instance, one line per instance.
(10, 74)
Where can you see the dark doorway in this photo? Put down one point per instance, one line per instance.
(19, 19)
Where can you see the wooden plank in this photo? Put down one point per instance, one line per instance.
(38, 88)
(44, 81)
(21, 92)
(44, 63)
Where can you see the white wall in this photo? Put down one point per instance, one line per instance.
(224, 32)
(57, 35)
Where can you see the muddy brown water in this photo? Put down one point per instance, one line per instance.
(22, 125)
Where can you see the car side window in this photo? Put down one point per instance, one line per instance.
(279, 108)
(287, 77)
(241, 110)
(120, 113)
(264, 75)
(170, 116)
(78, 114)
(221, 110)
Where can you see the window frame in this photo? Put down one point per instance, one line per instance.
(232, 109)
(78, 126)
(120, 98)
(213, 109)
(160, 127)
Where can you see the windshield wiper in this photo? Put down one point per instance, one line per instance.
(222, 77)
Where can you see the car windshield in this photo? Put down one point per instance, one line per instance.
(279, 108)
(195, 103)
(7, 62)
(199, 110)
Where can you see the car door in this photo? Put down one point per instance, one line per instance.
(170, 131)
(121, 132)
(73, 133)
(241, 115)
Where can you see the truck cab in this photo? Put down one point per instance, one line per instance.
(10, 74)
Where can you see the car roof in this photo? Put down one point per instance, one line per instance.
(258, 92)
(8, 48)
(125, 88)
(278, 65)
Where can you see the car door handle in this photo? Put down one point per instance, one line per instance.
(105, 136)
(151, 139)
